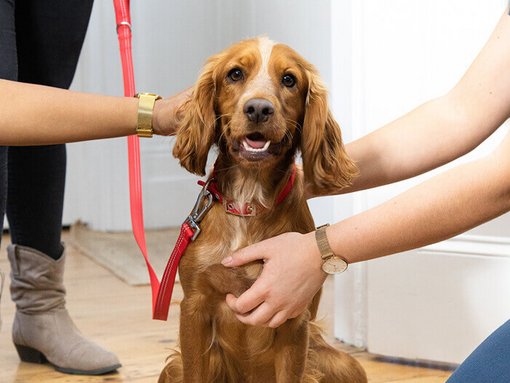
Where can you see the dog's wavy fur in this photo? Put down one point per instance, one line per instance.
(214, 345)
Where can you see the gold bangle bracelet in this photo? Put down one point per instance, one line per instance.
(145, 109)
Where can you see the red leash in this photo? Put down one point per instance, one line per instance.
(161, 292)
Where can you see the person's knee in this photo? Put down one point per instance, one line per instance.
(490, 362)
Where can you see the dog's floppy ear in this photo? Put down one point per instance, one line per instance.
(197, 122)
(325, 163)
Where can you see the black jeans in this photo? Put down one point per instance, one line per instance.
(40, 42)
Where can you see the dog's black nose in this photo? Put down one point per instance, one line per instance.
(258, 109)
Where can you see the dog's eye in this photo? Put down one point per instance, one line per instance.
(289, 80)
(235, 74)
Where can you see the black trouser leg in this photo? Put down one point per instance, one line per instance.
(36, 196)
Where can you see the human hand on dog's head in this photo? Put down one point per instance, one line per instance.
(165, 115)
(291, 277)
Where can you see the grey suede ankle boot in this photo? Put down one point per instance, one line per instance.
(42, 329)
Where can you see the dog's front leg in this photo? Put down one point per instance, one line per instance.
(291, 347)
(195, 339)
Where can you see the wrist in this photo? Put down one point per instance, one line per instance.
(156, 117)
(313, 252)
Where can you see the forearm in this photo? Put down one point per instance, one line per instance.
(39, 115)
(440, 208)
(422, 140)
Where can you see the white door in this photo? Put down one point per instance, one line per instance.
(436, 303)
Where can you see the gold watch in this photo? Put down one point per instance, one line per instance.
(331, 263)
(145, 109)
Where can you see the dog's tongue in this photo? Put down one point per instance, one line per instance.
(255, 144)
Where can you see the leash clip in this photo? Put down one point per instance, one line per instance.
(198, 214)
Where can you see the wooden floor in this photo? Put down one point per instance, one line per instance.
(118, 317)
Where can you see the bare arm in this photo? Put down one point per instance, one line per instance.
(39, 115)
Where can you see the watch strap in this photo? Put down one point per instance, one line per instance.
(322, 242)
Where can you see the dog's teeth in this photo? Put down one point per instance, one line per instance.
(250, 149)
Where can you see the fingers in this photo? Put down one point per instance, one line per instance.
(252, 309)
(248, 301)
(277, 320)
(243, 256)
(260, 316)
(256, 309)
(264, 315)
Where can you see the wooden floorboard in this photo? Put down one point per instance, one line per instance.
(118, 317)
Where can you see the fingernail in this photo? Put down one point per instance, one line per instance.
(226, 261)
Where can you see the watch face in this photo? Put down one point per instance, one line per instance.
(334, 265)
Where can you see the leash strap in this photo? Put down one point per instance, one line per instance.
(160, 310)
(161, 292)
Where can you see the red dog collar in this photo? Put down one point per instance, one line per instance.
(249, 209)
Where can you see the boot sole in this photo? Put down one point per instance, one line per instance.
(97, 371)
(31, 355)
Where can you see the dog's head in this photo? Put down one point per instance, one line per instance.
(260, 101)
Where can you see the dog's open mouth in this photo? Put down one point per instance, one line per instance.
(255, 142)
(255, 147)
